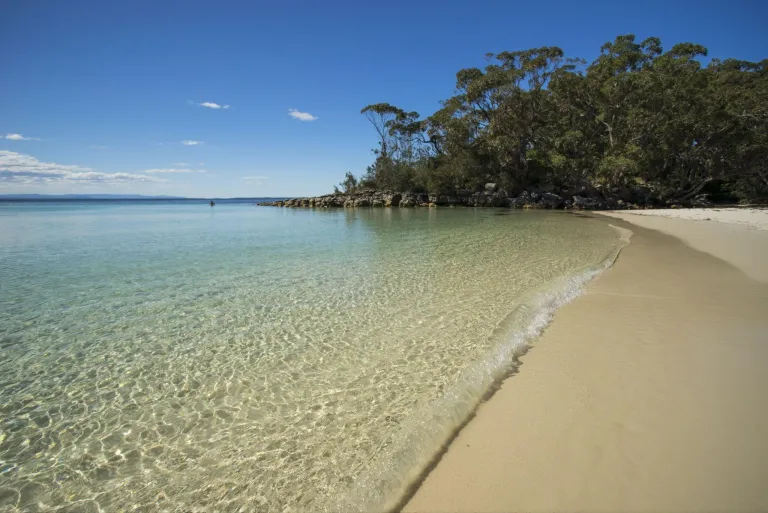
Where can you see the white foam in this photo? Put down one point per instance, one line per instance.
(419, 441)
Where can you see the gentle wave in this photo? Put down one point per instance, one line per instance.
(424, 438)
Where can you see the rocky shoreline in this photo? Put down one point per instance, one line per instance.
(583, 198)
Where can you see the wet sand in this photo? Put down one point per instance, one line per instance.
(648, 393)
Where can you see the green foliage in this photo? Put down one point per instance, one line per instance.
(636, 115)
(349, 184)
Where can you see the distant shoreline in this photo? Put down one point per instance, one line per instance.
(44, 198)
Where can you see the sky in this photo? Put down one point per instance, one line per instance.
(258, 99)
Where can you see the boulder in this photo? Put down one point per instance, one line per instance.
(582, 203)
(392, 200)
(497, 200)
(446, 199)
(550, 200)
(491, 187)
(641, 195)
(702, 200)
(521, 201)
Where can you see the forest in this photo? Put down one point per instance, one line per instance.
(636, 117)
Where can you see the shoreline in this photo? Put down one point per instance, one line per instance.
(580, 198)
(736, 236)
(654, 407)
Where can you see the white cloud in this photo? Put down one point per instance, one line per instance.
(211, 105)
(249, 178)
(201, 163)
(19, 137)
(301, 116)
(180, 164)
(25, 169)
(191, 143)
(171, 170)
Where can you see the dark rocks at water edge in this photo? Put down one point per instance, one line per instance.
(582, 198)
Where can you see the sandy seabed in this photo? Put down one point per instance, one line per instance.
(648, 393)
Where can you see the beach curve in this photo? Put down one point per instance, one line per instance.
(643, 395)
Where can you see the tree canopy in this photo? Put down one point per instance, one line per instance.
(636, 116)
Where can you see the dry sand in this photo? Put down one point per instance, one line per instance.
(737, 235)
(755, 218)
(648, 393)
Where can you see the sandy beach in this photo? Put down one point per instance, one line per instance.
(645, 394)
(737, 235)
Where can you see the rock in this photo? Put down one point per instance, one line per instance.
(702, 200)
(582, 203)
(497, 200)
(391, 199)
(641, 195)
(586, 197)
(550, 200)
(521, 201)
(446, 199)
(414, 199)
(611, 201)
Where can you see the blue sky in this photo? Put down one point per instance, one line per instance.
(97, 97)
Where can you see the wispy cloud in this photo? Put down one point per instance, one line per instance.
(19, 137)
(212, 105)
(191, 143)
(301, 116)
(250, 178)
(208, 105)
(171, 170)
(19, 168)
(97, 147)
(180, 164)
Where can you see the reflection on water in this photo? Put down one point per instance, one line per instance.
(171, 357)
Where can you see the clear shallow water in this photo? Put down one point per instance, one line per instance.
(173, 357)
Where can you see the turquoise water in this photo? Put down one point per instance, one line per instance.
(173, 357)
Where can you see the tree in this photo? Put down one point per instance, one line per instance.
(349, 184)
(636, 115)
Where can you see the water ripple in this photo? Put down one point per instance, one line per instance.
(171, 359)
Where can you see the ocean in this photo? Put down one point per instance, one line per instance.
(169, 356)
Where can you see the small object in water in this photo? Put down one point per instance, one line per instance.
(212, 203)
